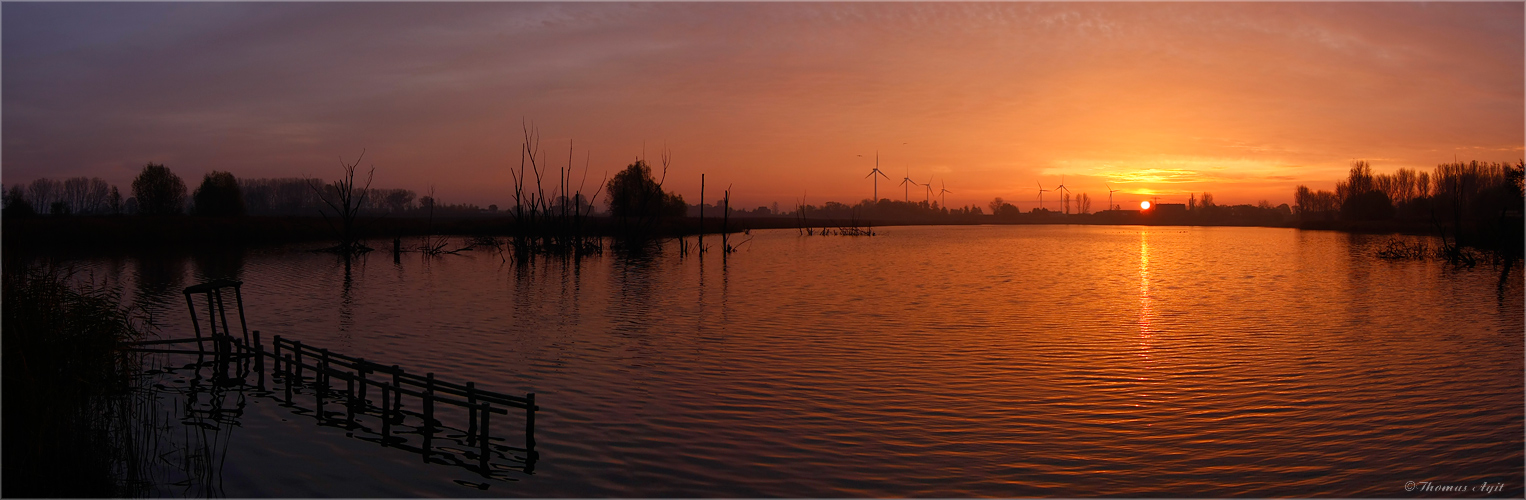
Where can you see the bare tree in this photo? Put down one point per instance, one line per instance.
(73, 193)
(97, 196)
(345, 198)
(43, 192)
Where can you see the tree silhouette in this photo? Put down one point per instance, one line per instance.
(219, 195)
(114, 201)
(16, 204)
(345, 198)
(159, 191)
(1371, 205)
(43, 192)
(633, 193)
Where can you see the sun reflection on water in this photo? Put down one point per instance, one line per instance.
(1146, 312)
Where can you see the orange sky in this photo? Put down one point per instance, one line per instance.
(1242, 100)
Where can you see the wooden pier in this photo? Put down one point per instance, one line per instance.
(358, 395)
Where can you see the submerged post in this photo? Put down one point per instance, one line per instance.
(386, 416)
(242, 323)
(287, 378)
(725, 221)
(259, 359)
(701, 243)
(297, 348)
(275, 353)
(428, 415)
(485, 451)
(397, 392)
(360, 371)
(318, 402)
(471, 405)
(195, 323)
(323, 370)
(349, 402)
(530, 426)
(222, 311)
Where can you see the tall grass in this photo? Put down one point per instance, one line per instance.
(68, 386)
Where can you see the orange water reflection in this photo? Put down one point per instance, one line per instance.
(947, 361)
(1146, 313)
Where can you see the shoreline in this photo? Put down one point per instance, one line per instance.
(147, 233)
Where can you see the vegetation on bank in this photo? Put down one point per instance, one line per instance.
(67, 388)
(1474, 205)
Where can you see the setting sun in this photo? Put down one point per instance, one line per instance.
(1144, 205)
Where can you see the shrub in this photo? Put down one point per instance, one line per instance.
(219, 196)
(159, 191)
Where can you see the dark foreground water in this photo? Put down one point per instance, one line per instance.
(928, 361)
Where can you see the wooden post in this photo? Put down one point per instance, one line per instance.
(725, 221)
(428, 415)
(259, 353)
(471, 406)
(275, 354)
(485, 451)
(318, 401)
(386, 415)
(701, 214)
(297, 348)
(242, 323)
(222, 310)
(259, 359)
(349, 403)
(530, 426)
(360, 371)
(323, 371)
(397, 393)
(287, 378)
(195, 323)
(212, 315)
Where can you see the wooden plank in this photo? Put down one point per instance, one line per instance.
(212, 285)
(169, 341)
(170, 351)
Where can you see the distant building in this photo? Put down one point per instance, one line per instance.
(1171, 209)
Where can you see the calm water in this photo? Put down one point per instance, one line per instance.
(927, 361)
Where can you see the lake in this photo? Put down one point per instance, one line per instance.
(947, 361)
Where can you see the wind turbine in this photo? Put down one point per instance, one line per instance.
(1110, 192)
(1065, 190)
(1041, 194)
(877, 179)
(929, 186)
(907, 180)
(942, 193)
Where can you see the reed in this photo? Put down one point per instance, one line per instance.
(68, 387)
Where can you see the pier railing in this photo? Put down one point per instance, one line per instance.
(359, 389)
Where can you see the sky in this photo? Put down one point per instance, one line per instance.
(779, 101)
